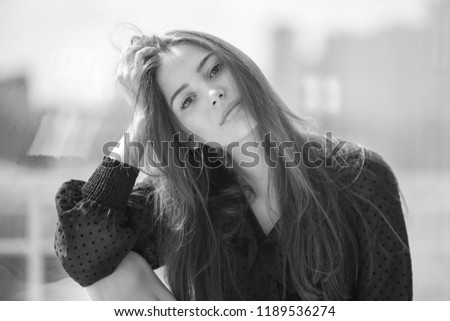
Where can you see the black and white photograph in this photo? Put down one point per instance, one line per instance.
(225, 150)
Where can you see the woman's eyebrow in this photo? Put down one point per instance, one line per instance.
(203, 61)
(199, 68)
(176, 93)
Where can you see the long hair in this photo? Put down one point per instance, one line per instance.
(200, 207)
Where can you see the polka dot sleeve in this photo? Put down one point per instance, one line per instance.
(101, 220)
(385, 262)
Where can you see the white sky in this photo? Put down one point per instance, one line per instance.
(32, 31)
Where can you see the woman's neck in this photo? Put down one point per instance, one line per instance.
(248, 160)
(250, 164)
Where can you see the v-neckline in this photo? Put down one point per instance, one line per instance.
(260, 235)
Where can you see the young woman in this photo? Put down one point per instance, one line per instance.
(255, 206)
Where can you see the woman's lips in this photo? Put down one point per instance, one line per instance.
(227, 110)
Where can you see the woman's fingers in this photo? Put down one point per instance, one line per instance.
(139, 58)
(131, 66)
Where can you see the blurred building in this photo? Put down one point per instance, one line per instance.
(388, 91)
(18, 122)
(393, 94)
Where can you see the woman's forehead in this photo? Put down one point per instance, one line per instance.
(180, 59)
(183, 52)
(178, 64)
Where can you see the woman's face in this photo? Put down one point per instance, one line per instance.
(203, 95)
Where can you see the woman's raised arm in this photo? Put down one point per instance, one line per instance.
(100, 222)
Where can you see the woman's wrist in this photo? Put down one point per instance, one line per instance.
(128, 151)
(110, 184)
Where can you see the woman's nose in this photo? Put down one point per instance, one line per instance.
(216, 96)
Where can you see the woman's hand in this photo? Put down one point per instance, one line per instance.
(131, 147)
(131, 66)
(129, 73)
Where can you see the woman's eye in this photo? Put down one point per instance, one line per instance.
(187, 102)
(215, 70)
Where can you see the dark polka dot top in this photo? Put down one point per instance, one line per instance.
(101, 220)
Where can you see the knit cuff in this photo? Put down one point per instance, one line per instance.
(111, 183)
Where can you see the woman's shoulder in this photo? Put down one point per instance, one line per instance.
(358, 166)
(375, 210)
(369, 186)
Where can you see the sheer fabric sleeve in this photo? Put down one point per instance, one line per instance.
(385, 263)
(101, 220)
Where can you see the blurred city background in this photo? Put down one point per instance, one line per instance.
(373, 72)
